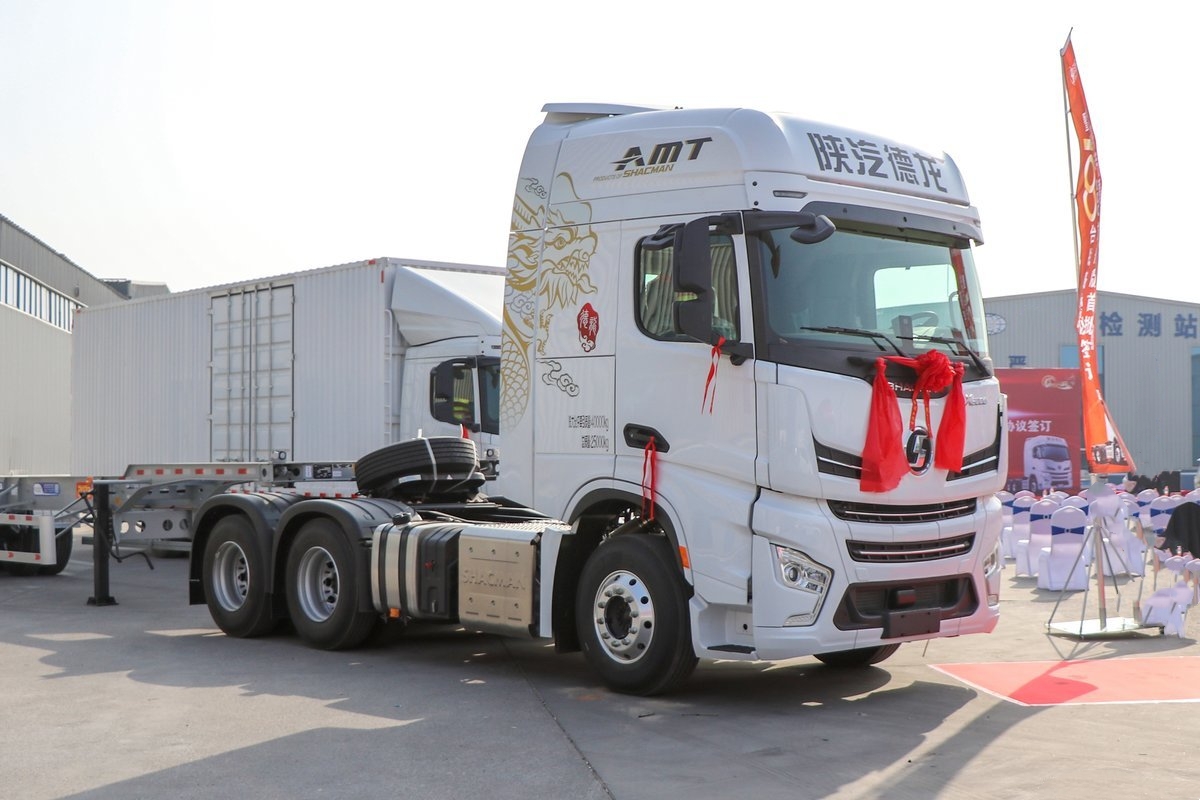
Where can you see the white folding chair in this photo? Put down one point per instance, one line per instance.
(1061, 565)
(1028, 548)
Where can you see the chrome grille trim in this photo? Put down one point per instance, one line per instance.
(893, 552)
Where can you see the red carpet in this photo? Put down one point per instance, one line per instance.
(1116, 680)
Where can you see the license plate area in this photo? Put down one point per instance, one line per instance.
(911, 623)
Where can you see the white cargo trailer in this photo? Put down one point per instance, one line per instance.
(322, 365)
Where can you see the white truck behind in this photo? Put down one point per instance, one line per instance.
(1047, 464)
(744, 362)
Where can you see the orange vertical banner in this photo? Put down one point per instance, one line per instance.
(1106, 452)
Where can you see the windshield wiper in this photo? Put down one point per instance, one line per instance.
(876, 335)
(956, 340)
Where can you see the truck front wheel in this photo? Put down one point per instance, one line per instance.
(632, 617)
(235, 579)
(322, 588)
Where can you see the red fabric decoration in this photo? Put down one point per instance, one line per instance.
(952, 433)
(712, 373)
(649, 469)
(884, 463)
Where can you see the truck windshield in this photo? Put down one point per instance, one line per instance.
(862, 292)
(1052, 452)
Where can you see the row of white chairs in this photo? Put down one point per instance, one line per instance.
(1047, 539)
(1053, 530)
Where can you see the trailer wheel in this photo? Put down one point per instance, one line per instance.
(632, 617)
(322, 588)
(862, 657)
(27, 540)
(64, 543)
(235, 580)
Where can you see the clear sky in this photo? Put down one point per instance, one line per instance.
(206, 142)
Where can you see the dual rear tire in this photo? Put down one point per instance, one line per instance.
(321, 581)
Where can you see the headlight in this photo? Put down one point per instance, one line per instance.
(800, 572)
(992, 562)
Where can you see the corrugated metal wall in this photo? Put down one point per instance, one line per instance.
(342, 377)
(158, 357)
(36, 407)
(141, 384)
(1146, 345)
(26, 252)
(35, 357)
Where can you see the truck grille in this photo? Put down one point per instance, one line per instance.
(892, 552)
(847, 465)
(901, 515)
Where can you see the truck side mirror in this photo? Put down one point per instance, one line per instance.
(812, 228)
(693, 280)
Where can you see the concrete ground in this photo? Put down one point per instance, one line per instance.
(147, 699)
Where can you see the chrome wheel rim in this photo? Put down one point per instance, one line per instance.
(231, 576)
(623, 615)
(317, 584)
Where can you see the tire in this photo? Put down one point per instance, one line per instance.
(862, 657)
(28, 540)
(64, 543)
(236, 587)
(323, 586)
(446, 454)
(1034, 486)
(631, 611)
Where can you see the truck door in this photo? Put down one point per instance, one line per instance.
(698, 404)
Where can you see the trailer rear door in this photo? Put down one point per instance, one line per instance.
(253, 349)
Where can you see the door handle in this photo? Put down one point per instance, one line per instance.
(638, 436)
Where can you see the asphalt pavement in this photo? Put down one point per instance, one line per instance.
(148, 699)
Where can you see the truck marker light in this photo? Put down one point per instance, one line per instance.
(684, 558)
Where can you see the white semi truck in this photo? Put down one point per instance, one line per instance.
(1047, 464)
(745, 377)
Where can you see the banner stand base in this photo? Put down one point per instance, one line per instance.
(1099, 628)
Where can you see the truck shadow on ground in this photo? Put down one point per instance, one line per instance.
(434, 696)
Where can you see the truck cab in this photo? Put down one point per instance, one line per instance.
(700, 308)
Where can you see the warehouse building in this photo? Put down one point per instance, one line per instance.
(1149, 359)
(40, 290)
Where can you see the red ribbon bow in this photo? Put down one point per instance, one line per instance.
(884, 462)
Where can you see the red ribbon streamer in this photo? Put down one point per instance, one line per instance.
(712, 374)
(884, 462)
(649, 466)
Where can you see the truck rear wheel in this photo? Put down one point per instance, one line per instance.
(235, 580)
(322, 588)
(632, 617)
(862, 657)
